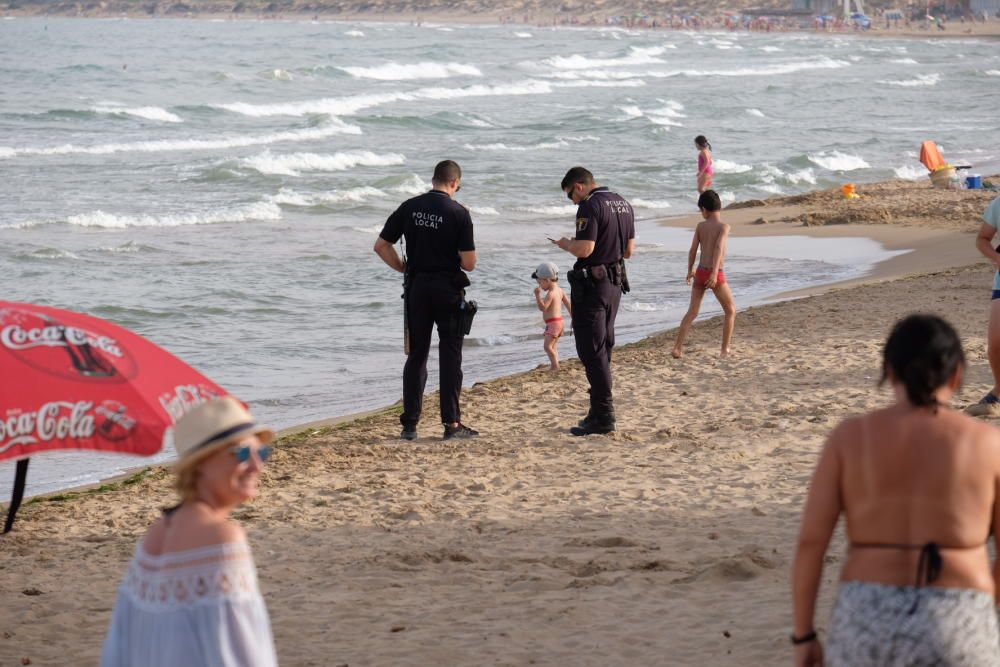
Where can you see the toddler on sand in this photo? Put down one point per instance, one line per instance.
(711, 234)
(547, 275)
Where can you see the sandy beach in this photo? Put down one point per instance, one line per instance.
(668, 543)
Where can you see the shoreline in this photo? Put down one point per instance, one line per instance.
(989, 31)
(927, 250)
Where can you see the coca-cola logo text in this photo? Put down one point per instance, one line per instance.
(53, 421)
(179, 402)
(15, 337)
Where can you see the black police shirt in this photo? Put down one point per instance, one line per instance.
(605, 218)
(436, 228)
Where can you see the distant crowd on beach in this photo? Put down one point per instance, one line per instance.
(731, 21)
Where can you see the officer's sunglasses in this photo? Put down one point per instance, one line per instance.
(569, 195)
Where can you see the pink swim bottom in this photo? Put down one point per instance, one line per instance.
(554, 327)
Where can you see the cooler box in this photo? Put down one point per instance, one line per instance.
(974, 182)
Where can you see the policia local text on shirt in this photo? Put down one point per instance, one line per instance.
(605, 237)
(440, 248)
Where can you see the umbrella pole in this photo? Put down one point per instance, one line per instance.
(20, 476)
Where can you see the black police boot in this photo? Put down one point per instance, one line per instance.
(460, 431)
(596, 425)
(409, 432)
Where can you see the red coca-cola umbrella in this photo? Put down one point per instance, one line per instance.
(73, 381)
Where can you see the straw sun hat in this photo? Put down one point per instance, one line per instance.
(211, 426)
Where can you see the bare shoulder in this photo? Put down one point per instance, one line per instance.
(983, 433)
(225, 531)
(846, 432)
(155, 537)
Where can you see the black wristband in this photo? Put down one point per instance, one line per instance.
(804, 639)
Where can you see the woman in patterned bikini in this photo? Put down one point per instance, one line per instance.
(190, 595)
(918, 484)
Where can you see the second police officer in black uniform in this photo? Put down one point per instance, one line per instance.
(605, 237)
(440, 248)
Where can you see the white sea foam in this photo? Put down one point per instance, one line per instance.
(265, 211)
(523, 35)
(766, 70)
(483, 210)
(505, 147)
(625, 83)
(354, 33)
(594, 75)
(756, 112)
(910, 172)
(727, 167)
(637, 56)
(279, 74)
(354, 195)
(426, 70)
(837, 161)
(566, 209)
(920, 80)
(665, 116)
(335, 127)
(149, 113)
(905, 61)
(295, 163)
(345, 106)
(992, 72)
(370, 229)
(638, 202)
(770, 188)
(806, 175)
(771, 49)
(412, 186)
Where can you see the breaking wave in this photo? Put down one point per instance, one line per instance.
(921, 80)
(398, 72)
(335, 127)
(346, 106)
(148, 113)
(837, 161)
(264, 211)
(295, 163)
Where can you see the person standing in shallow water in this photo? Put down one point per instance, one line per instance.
(919, 484)
(706, 166)
(441, 248)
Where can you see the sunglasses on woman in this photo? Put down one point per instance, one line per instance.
(244, 452)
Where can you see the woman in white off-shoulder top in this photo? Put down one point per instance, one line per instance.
(190, 596)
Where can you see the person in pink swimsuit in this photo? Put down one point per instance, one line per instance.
(706, 167)
(547, 275)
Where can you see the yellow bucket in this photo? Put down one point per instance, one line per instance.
(848, 190)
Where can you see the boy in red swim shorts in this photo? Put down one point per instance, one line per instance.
(711, 235)
(547, 275)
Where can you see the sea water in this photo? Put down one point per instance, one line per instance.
(218, 186)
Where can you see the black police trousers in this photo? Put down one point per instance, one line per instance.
(595, 306)
(432, 299)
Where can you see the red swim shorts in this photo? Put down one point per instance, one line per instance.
(702, 273)
(554, 327)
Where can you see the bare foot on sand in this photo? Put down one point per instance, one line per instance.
(676, 353)
(554, 368)
(726, 352)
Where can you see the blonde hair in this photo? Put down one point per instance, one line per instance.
(187, 483)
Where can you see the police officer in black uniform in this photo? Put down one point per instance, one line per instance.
(605, 237)
(440, 248)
